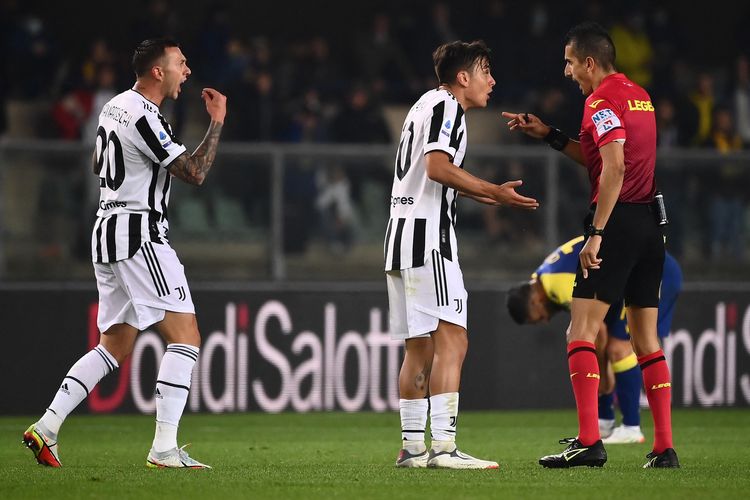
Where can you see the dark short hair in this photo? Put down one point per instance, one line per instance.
(148, 52)
(450, 58)
(518, 302)
(591, 40)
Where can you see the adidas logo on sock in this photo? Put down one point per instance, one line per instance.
(64, 388)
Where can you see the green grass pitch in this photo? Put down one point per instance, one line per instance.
(338, 455)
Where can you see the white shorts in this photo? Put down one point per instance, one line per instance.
(421, 296)
(139, 290)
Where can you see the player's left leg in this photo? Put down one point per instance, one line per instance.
(116, 343)
(450, 342)
(587, 449)
(413, 381)
(657, 382)
(180, 331)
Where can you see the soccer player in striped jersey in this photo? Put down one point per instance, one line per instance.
(551, 290)
(426, 294)
(141, 281)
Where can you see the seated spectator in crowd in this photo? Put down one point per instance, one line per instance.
(704, 100)
(741, 99)
(335, 208)
(727, 187)
(634, 50)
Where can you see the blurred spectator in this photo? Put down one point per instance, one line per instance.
(667, 40)
(154, 19)
(71, 111)
(236, 63)
(360, 120)
(317, 69)
(634, 50)
(100, 54)
(32, 59)
(499, 29)
(727, 190)
(105, 88)
(704, 101)
(539, 40)
(257, 116)
(213, 39)
(667, 129)
(382, 61)
(309, 118)
(300, 193)
(553, 104)
(741, 99)
(336, 210)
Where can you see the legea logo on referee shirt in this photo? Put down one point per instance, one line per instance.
(605, 120)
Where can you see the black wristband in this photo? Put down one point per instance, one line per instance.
(593, 231)
(556, 139)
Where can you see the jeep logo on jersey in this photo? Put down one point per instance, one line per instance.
(402, 200)
(112, 204)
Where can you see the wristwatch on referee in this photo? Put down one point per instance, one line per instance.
(593, 231)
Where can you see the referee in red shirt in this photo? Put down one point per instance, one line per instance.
(624, 252)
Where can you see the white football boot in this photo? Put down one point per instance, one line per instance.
(413, 454)
(176, 458)
(625, 434)
(445, 455)
(606, 427)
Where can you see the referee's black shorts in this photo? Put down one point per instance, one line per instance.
(632, 253)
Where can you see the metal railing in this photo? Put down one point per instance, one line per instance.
(46, 195)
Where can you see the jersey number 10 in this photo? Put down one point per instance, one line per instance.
(401, 172)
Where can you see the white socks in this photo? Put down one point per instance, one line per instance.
(413, 423)
(443, 410)
(80, 380)
(444, 416)
(172, 388)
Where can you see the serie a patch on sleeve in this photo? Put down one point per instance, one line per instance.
(605, 120)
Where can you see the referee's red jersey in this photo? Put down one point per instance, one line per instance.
(620, 109)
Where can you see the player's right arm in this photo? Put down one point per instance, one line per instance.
(193, 168)
(440, 169)
(534, 127)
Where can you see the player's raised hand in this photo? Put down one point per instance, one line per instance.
(505, 194)
(216, 104)
(527, 123)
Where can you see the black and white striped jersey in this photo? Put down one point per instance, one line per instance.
(423, 212)
(134, 147)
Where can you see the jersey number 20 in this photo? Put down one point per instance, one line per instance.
(109, 150)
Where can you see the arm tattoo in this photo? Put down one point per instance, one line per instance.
(193, 168)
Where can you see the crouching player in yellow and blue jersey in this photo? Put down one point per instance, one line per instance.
(551, 290)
